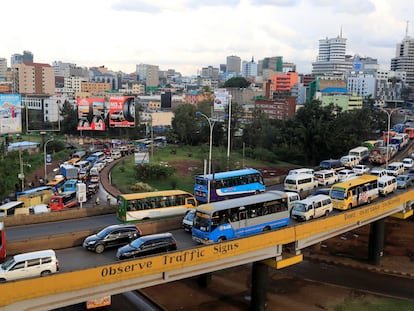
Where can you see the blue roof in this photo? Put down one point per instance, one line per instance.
(22, 145)
(335, 90)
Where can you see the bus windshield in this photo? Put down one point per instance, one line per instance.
(337, 193)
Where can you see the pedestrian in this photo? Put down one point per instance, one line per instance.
(97, 200)
(108, 199)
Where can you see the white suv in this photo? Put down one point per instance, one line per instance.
(28, 265)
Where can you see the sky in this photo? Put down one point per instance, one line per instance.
(187, 35)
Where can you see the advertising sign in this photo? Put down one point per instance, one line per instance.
(10, 113)
(122, 111)
(220, 99)
(91, 114)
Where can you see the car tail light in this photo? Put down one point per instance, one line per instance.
(57, 265)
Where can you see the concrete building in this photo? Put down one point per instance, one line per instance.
(340, 97)
(274, 63)
(331, 58)
(3, 69)
(249, 69)
(283, 82)
(148, 74)
(94, 88)
(363, 85)
(233, 64)
(33, 79)
(404, 60)
(26, 57)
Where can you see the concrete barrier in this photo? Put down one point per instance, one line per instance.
(74, 239)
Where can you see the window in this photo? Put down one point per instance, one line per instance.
(33, 262)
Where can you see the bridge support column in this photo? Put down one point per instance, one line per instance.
(376, 242)
(259, 286)
(203, 280)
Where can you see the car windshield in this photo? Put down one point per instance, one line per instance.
(7, 264)
(136, 243)
(190, 216)
(299, 207)
(402, 178)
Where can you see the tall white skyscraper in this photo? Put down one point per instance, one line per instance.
(404, 59)
(249, 69)
(331, 59)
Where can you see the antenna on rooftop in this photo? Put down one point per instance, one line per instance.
(406, 29)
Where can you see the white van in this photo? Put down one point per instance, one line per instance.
(326, 177)
(395, 168)
(377, 171)
(312, 207)
(301, 171)
(362, 153)
(300, 182)
(39, 263)
(387, 185)
(349, 161)
(116, 154)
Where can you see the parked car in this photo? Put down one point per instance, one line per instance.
(148, 245)
(403, 181)
(361, 169)
(187, 222)
(111, 236)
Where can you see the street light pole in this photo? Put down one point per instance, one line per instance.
(44, 154)
(388, 134)
(229, 135)
(211, 124)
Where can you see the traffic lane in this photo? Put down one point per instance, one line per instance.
(379, 283)
(78, 258)
(60, 227)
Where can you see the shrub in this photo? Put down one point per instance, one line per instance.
(141, 187)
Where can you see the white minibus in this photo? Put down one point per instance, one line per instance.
(386, 185)
(300, 182)
(312, 207)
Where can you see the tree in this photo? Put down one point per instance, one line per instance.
(238, 82)
(69, 119)
(185, 124)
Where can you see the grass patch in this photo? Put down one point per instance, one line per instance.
(123, 174)
(373, 303)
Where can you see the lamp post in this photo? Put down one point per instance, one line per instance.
(389, 113)
(211, 124)
(229, 135)
(44, 152)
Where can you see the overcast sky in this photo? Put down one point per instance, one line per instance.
(187, 35)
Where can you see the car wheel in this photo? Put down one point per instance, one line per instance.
(99, 249)
(221, 239)
(44, 273)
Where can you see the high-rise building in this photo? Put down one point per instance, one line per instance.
(3, 69)
(33, 79)
(404, 59)
(148, 74)
(331, 60)
(249, 69)
(274, 63)
(27, 57)
(233, 64)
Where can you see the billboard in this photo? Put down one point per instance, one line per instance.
(91, 114)
(220, 99)
(10, 113)
(122, 111)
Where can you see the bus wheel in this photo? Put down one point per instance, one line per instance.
(326, 213)
(349, 206)
(369, 200)
(267, 228)
(99, 248)
(221, 239)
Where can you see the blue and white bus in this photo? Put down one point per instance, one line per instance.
(228, 185)
(235, 218)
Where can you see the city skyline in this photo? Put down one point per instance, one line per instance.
(187, 35)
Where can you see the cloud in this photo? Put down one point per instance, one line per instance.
(346, 6)
(136, 6)
(285, 3)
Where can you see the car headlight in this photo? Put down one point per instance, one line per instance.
(91, 242)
